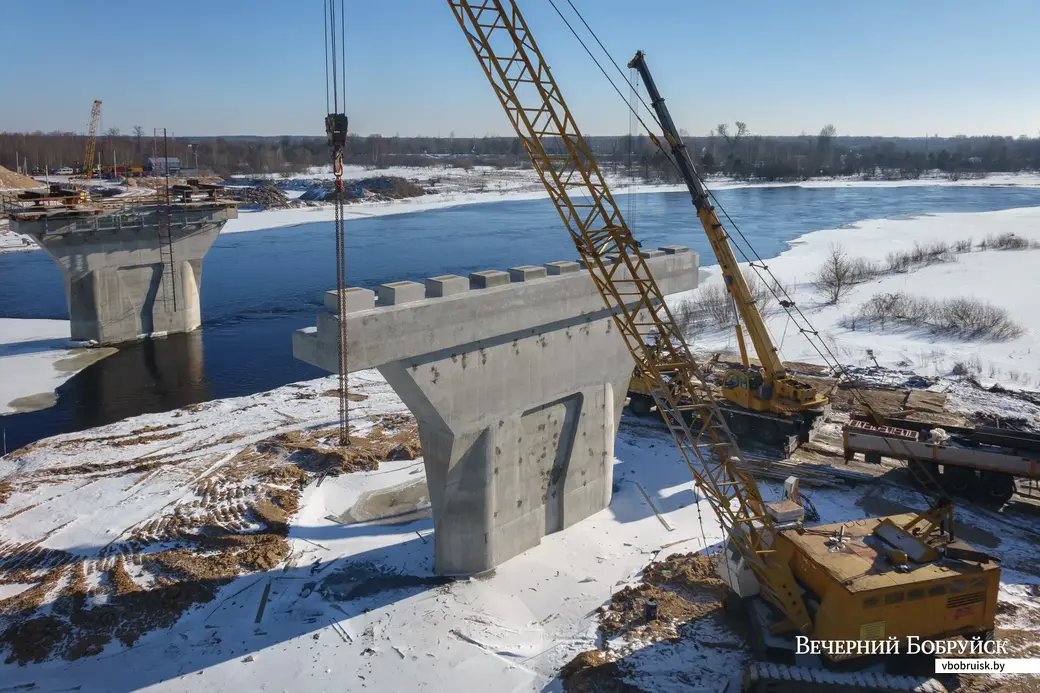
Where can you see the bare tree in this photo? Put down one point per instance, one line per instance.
(723, 130)
(835, 277)
(138, 136)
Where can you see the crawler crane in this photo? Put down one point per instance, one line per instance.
(766, 403)
(867, 579)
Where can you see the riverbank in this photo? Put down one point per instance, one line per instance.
(452, 187)
(457, 187)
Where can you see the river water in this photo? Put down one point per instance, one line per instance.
(260, 286)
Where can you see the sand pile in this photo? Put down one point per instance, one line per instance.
(9, 180)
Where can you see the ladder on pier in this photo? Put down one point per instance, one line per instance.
(164, 215)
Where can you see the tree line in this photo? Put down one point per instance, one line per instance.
(732, 150)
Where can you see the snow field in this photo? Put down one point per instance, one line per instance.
(1003, 278)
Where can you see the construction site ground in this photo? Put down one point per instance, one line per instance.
(231, 545)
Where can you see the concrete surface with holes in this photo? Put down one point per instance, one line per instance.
(517, 379)
(121, 283)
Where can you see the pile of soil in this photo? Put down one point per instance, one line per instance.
(685, 588)
(160, 182)
(381, 188)
(16, 181)
(267, 197)
(683, 585)
(318, 451)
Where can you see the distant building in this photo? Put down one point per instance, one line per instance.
(161, 165)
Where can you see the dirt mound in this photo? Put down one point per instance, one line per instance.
(318, 451)
(594, 672)
(381, 188)
(16, 181)
(685, 589)
(156, 183)
(683, 585)
(689, 572)
(267, 197)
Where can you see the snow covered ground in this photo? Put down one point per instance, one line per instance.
(1004, 278)
(508, 631)
(450, 187)
(35, 359)
(352, 603)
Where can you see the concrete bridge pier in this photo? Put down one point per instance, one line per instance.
(121, 282)
(517, 380)
(518, 438)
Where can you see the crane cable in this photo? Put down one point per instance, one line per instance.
(336, 132)
(786, 302)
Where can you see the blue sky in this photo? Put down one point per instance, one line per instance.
(883, 67)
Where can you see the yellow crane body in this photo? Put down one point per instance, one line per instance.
(861, 595)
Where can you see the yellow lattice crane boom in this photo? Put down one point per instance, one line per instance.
(521, 79)
(92, 131)
(869, 579)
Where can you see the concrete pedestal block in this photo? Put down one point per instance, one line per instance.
(518, 391)
(396, 293)
(354, 297)
(562, 267)
(446, 285)
(488, 278)
(526, 273)
(120, 286)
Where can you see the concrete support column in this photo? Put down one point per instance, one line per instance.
(517, 380)
(518, 438)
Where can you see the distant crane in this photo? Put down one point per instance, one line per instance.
(92, 130)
